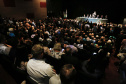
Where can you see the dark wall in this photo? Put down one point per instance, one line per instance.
(20, 9)
(54, 7)
(114, 9)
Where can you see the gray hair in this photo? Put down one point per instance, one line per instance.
(37, 49)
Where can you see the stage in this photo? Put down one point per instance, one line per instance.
(94, 20)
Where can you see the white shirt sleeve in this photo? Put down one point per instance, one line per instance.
(50, 72)
(55, 80)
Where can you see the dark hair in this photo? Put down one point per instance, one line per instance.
(46, 36)
(67, 74)
(68, 51)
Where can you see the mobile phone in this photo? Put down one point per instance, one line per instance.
(62, 50)
(94, 53)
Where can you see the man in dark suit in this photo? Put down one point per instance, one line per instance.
(68, 58)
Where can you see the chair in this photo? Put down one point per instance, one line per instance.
(17, 74)
(30, 81)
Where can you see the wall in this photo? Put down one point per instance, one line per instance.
(24, 7)
(54, 8)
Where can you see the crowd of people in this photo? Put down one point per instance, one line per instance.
(61, 51)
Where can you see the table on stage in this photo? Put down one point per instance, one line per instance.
(94, 20)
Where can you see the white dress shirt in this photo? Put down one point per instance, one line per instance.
(39, 71)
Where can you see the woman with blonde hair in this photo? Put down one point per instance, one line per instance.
(56, 51)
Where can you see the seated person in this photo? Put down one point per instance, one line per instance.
(74, 49)
(90, 74)
(122, 52)
(67, 75)
(68, 58)
(4, 48)
(46, 49)
(37, 69)
(11, 32)
(56, 51)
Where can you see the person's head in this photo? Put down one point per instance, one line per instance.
(46, 36)
(123, 42)
(67, 74)
(57, 46)
(109, 41)
(68, 51)
(37, 51)
(96, 45)
(65, 44)
(11, 29)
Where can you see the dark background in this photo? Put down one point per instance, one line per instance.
(115, 10)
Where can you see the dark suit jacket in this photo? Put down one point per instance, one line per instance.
(67, 59)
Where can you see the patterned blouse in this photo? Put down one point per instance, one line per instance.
(56, 55)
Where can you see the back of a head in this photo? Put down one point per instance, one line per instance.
(68, 51)
(11, 29)
(46, 36)
(37, 50)
(57, 46)
(67, 74)
(123, 42)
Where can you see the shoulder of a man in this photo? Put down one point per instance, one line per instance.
(45, 67)
(55, 80)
